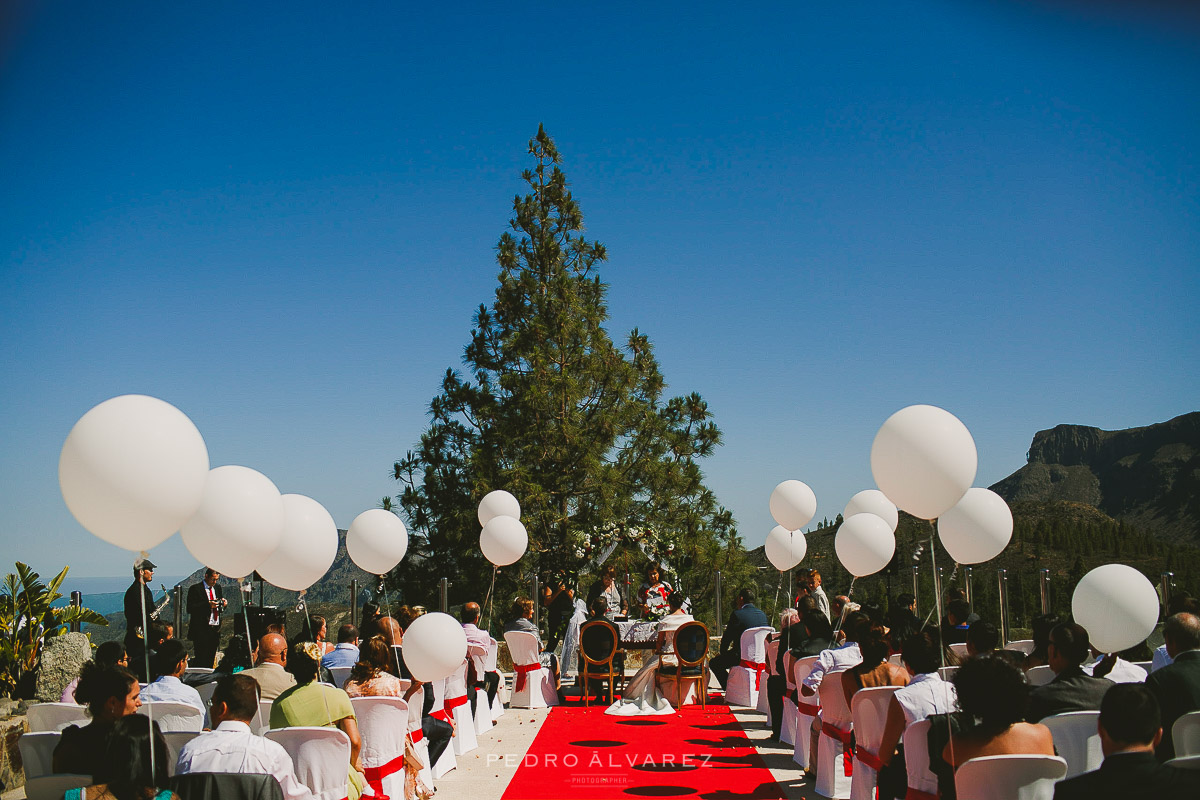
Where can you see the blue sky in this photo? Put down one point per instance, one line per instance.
(281, 218)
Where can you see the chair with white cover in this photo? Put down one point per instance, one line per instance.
(834, 758)
(764, 700)
(894, 658)
(787, 730)
(191, 672)
(54, 786)
(173, 716)
(262, 721)
(959, 649)
(205, 690)
(1024, 645)
(175, 742)
(868, 709)
(321, 757)
(1077, 740)
(339, 675)
(446, 761)
(1039, 676)
(947, 673)
(416, 704)
(1186, 734)
(382, 723)
(1146, 665)
(745, 680)
(1025, 777)
(489, 665)
(37, 752)
(56, 716)
(533, 686)
(456, 704)
(807, 709)
(1184, 762)
(921, 780)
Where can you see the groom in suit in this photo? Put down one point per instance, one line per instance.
(744, 617)
(205, 601)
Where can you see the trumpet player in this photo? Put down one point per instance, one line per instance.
(205, 602)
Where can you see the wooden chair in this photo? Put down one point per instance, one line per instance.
(691, 656)
(598, 642)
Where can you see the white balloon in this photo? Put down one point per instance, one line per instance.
(377, 540)
(132, 470)
(873, 501)
(239, 524)
(498, 504)
(308, 546)
(503, 540)
(1118, 606)
(978, 528)
(924, 460)
(785, 549)
(793, 504)
(864, 544)
(434, 646)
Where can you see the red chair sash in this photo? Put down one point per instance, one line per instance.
(375, 775)
(808, 710)
(522, 671)
(834, 732)
(417, 735)
(759, 668)
(868, 758)
(451, 703)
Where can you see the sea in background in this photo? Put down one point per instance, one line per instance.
(107, 595)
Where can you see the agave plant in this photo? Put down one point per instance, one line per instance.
(27, 620)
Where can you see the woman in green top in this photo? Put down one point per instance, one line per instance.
(126, 772)
(309, 703)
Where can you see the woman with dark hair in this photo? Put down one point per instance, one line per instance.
(370, 620)
(108, 654)
(874, 670)
(1042, 625)
(653, 594)
(606, 587)
(128, 773)
(522, 620)
(641, 695)
(820, 635)
(109, 693)
(236, 656)
(995, 695)
(370, 677)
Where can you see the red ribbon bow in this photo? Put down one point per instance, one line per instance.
(834, 732)
(759, 668)
(523, 670)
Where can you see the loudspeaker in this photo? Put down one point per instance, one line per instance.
(260, 618)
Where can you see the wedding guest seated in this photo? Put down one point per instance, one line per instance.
(560, 605)
(745, 616)
(840, 657)
(270, 667)
(479, 643)
(958, 621)
(368, 624)
(791, 634)
(1072, 689)
(1112, 667)
(126, 772)
(171, 662)
(606, 587)
(370, 677)
(522, 620)
(1179, 604)
(235, 658)
(231, 747)
(1040, 655)
(996, 697)
(313, 631)
(110, 693)
(346, 651)
(982, 638)
(1177, 685)
(310, 703)
(108, 654)
(841, 605)
(903, 613)
(1130, 728)
(437, 732)
(819, 634)
(874, 670)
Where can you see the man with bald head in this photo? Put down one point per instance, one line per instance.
(479, 642)
(270, 658)
(1177, 686)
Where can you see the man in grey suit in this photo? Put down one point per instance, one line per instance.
(744, 617)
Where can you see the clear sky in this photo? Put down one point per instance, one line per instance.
(281, 218)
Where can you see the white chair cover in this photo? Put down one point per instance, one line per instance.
(832, 766)
(896, 659)
(916, 758)
(262, 723)
(415, 705)
(1186, 734)
(502, 690)
(340, 674)
(1024, 645)
(947, 673)
(1184, 762)
(1038, 676)
(807, 709)
(868, 708)
(205, 690)
(764, 701)
(175, 742)
(321, 757)
(483, 712)
(787, 731)
(382, 724)
(538, 690)
(457, 703)
(1009, 777)
(37, 752)
(56, 716)
(1077, 740)
(173, 716)
(744, 683)
(53, 787)
(959, 649)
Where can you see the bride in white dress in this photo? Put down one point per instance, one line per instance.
(641, 695)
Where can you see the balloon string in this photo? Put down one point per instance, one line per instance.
(778, 586)
(937, 606)
(487, 601)
(144, 556)
(845, 606)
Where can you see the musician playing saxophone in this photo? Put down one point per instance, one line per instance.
(135, 595)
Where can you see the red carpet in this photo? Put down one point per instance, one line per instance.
(583, 754)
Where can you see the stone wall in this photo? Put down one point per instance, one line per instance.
(11, 728)
(62, 657)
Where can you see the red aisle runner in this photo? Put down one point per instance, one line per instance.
(584, 754)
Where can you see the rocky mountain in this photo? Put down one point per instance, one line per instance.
(1147, 477)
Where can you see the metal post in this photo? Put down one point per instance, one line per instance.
(717, 595)
(444, 596)
(354, 602)
(917, 589)
(76, 602)
(791, 598)
(937, 588)
(537, 602)
(177, 599)
(1167, 583)
(968, 573)
(1002, 586)
(1044, 582)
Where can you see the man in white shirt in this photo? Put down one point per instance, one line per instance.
(479, 642)
(818, 594)
(170, 662)
(839, 658)
(231, 747)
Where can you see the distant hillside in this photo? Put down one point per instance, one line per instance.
(1147, 477)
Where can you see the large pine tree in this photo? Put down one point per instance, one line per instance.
(553, 411)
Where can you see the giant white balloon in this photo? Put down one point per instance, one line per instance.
(873, 501)
(1118, 606)
(864, 544)
(434, 646)
(978, 528)
(308, 546)
(793, 504)
(132, 470)
(503, 540)
(924, 460)
(377, 540)
(785, 549)
(498, 504)
(239, 524)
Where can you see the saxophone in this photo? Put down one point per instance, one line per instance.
(153, 615)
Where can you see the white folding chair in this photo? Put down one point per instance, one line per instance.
(947, 673)
(416, 704)
(1024, 777)
(175, 742)
(457, 706)
(1024, 645)
(868, 709)
(896, 659)
(1039, 676)
(833, 764)
(382, 723)
(1185, 732)
(1184, 762)
(1077, 740)
(483, 711)
(764, 700)
(54, 786)
(533, 687)
(56, 716)
(489, 665)
(745, 682)
(190, 671)
(787, 730)
(321, 757)
(959, 649)
(206, 692)
(37, 752)
(340, 674)
(173, 716)
(1146, 665)
(262, 721)
(446, 761)
(807, 709)
(921, 781)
